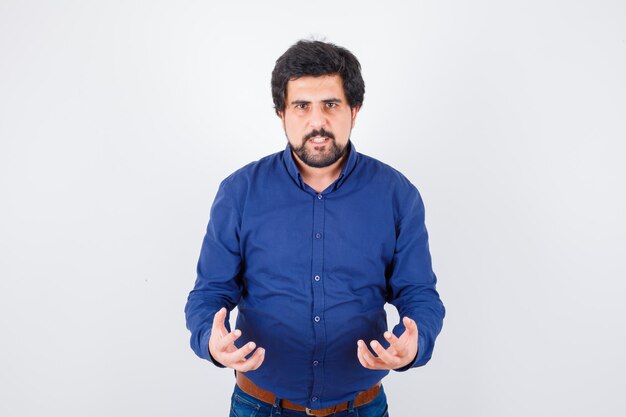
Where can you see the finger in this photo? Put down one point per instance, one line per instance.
(389, 359)
(359, 355)
(368, 358)
(393, 340)
(410, 333)
(410, 325)
(223, 343)
(398, 345)
(253, 362)
(218, 321)
(240, 354)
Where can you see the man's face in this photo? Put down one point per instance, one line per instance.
(317, 119)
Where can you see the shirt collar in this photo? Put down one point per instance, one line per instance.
(347, 168)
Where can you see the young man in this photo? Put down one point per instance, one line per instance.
(309, 243)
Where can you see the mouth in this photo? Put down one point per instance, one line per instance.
(319, 140)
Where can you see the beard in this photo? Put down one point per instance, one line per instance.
(329, 156)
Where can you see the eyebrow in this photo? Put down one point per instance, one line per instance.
(328, 100)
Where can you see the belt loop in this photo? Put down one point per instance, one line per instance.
(276, 406)
(351, 406)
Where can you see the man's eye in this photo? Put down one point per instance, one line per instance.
(331, 105)
(301, 106)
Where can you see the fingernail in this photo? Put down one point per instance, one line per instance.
(251, 345)
(374, 343)
(261, 351)
(237, 332)
(387, 335)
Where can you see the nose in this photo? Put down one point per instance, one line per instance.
(318, 117)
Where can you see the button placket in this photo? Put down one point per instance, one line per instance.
(319, 329)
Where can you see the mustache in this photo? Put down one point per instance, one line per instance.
(321, 132)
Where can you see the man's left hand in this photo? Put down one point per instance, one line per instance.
(401, 352)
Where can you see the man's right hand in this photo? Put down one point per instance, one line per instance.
(224, 351)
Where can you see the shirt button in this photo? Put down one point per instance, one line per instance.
(314, 399)
(318, 235)
(316, 318)
(315, 363)
(317, 278)
(319, 196)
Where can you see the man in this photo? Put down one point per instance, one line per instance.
(309, 243)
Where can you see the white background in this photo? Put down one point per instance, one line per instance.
(118, 119)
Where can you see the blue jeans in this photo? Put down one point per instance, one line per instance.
(244, 405)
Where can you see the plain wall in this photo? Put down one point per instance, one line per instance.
(118, 120)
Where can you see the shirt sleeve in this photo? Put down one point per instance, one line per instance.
(412, 281)
(218, 283)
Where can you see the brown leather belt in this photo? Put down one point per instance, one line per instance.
(259, 393)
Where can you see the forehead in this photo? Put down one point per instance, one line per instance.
(308, 87)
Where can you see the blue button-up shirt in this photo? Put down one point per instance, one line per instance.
(311, 272)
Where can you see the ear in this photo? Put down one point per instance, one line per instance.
(281, 115)
(354, 111)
